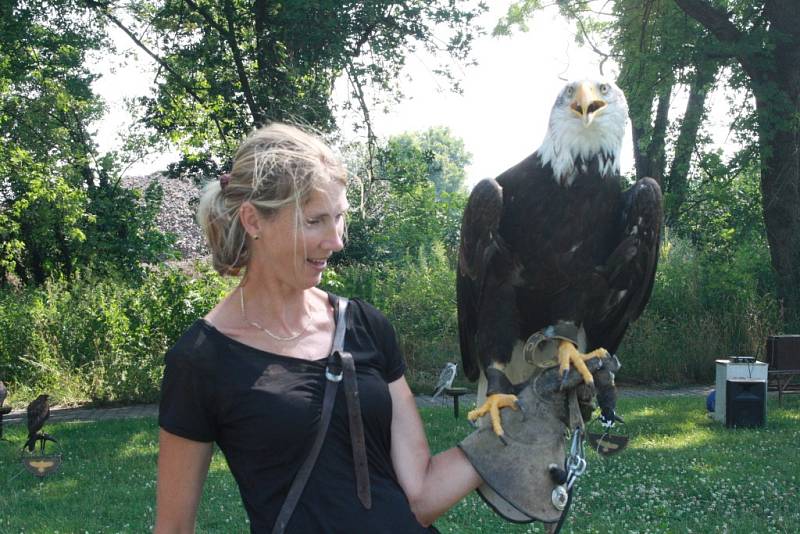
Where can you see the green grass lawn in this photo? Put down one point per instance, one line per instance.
(681, 473)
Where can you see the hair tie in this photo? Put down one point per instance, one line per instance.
(224, 180)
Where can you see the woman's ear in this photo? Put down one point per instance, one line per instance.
(250, 219)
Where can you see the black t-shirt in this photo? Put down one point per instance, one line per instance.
(262, 409)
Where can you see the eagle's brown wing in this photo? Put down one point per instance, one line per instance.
(480, 247)
(631, 267)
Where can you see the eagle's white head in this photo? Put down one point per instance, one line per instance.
(587, 121)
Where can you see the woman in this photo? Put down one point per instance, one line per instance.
(250, 374)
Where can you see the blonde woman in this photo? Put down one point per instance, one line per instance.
(250, 375)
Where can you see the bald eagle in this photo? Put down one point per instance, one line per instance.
(555, 245)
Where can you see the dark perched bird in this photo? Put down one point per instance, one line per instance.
(554, 246)
(38, 411)
(3, 409)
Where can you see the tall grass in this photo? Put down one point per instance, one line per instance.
(98, 338)
(418, 296)
(700, 310)
(703, 307)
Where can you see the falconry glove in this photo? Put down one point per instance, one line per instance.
(523, 473)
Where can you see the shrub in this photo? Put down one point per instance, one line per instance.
(421, 302)
(703, 308)
(102, 339)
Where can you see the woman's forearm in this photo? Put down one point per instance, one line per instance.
(447, 479)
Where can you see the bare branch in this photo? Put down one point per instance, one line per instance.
(587, 37)
(358, 90)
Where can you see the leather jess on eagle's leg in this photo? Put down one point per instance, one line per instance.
(526, 474)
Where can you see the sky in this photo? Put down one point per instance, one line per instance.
(501, 115)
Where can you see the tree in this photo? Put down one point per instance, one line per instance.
(764, 37)
(402, 211)
(45, 155)
(415, 216)
(445, 157)
(227, 66)
(59, 199)
(657, 51)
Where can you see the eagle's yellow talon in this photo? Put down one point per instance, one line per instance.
(492, 406)
(568, 354)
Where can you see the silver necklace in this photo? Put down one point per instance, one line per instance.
(270, 334)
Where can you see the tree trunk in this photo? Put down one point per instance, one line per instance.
(648, 140)
(780, 160)
(656, 158)
(260, 24)
(780, 177)
(639, 160)
(676, 182)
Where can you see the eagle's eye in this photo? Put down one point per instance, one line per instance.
(604, 88)
(570, 92)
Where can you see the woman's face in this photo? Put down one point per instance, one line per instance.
(296, 248)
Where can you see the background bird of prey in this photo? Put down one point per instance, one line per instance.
(3, 409)
(555, 245)
(446, 378)
(38, 411)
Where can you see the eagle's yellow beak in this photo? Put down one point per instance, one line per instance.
(587, 102)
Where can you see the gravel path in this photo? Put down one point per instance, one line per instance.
(635, 392)
(467, 401)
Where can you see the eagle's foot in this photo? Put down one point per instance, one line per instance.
(568, 354)
(492, 407)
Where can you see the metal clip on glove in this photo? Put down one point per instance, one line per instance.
(522, 477)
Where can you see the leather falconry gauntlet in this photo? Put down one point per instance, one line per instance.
(522, 476)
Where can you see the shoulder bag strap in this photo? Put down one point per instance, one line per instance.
(331, 385)
(356, 430)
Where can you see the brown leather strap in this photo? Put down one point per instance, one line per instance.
(575, 418)
(356, 430)
(331, 385)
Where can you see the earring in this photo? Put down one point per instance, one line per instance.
(255, 236)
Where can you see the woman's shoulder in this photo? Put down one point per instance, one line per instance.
(383, 337)
(368, 313)
(195, 347)
(366, 308)
(373, 320)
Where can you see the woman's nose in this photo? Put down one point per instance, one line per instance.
(334, 240)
